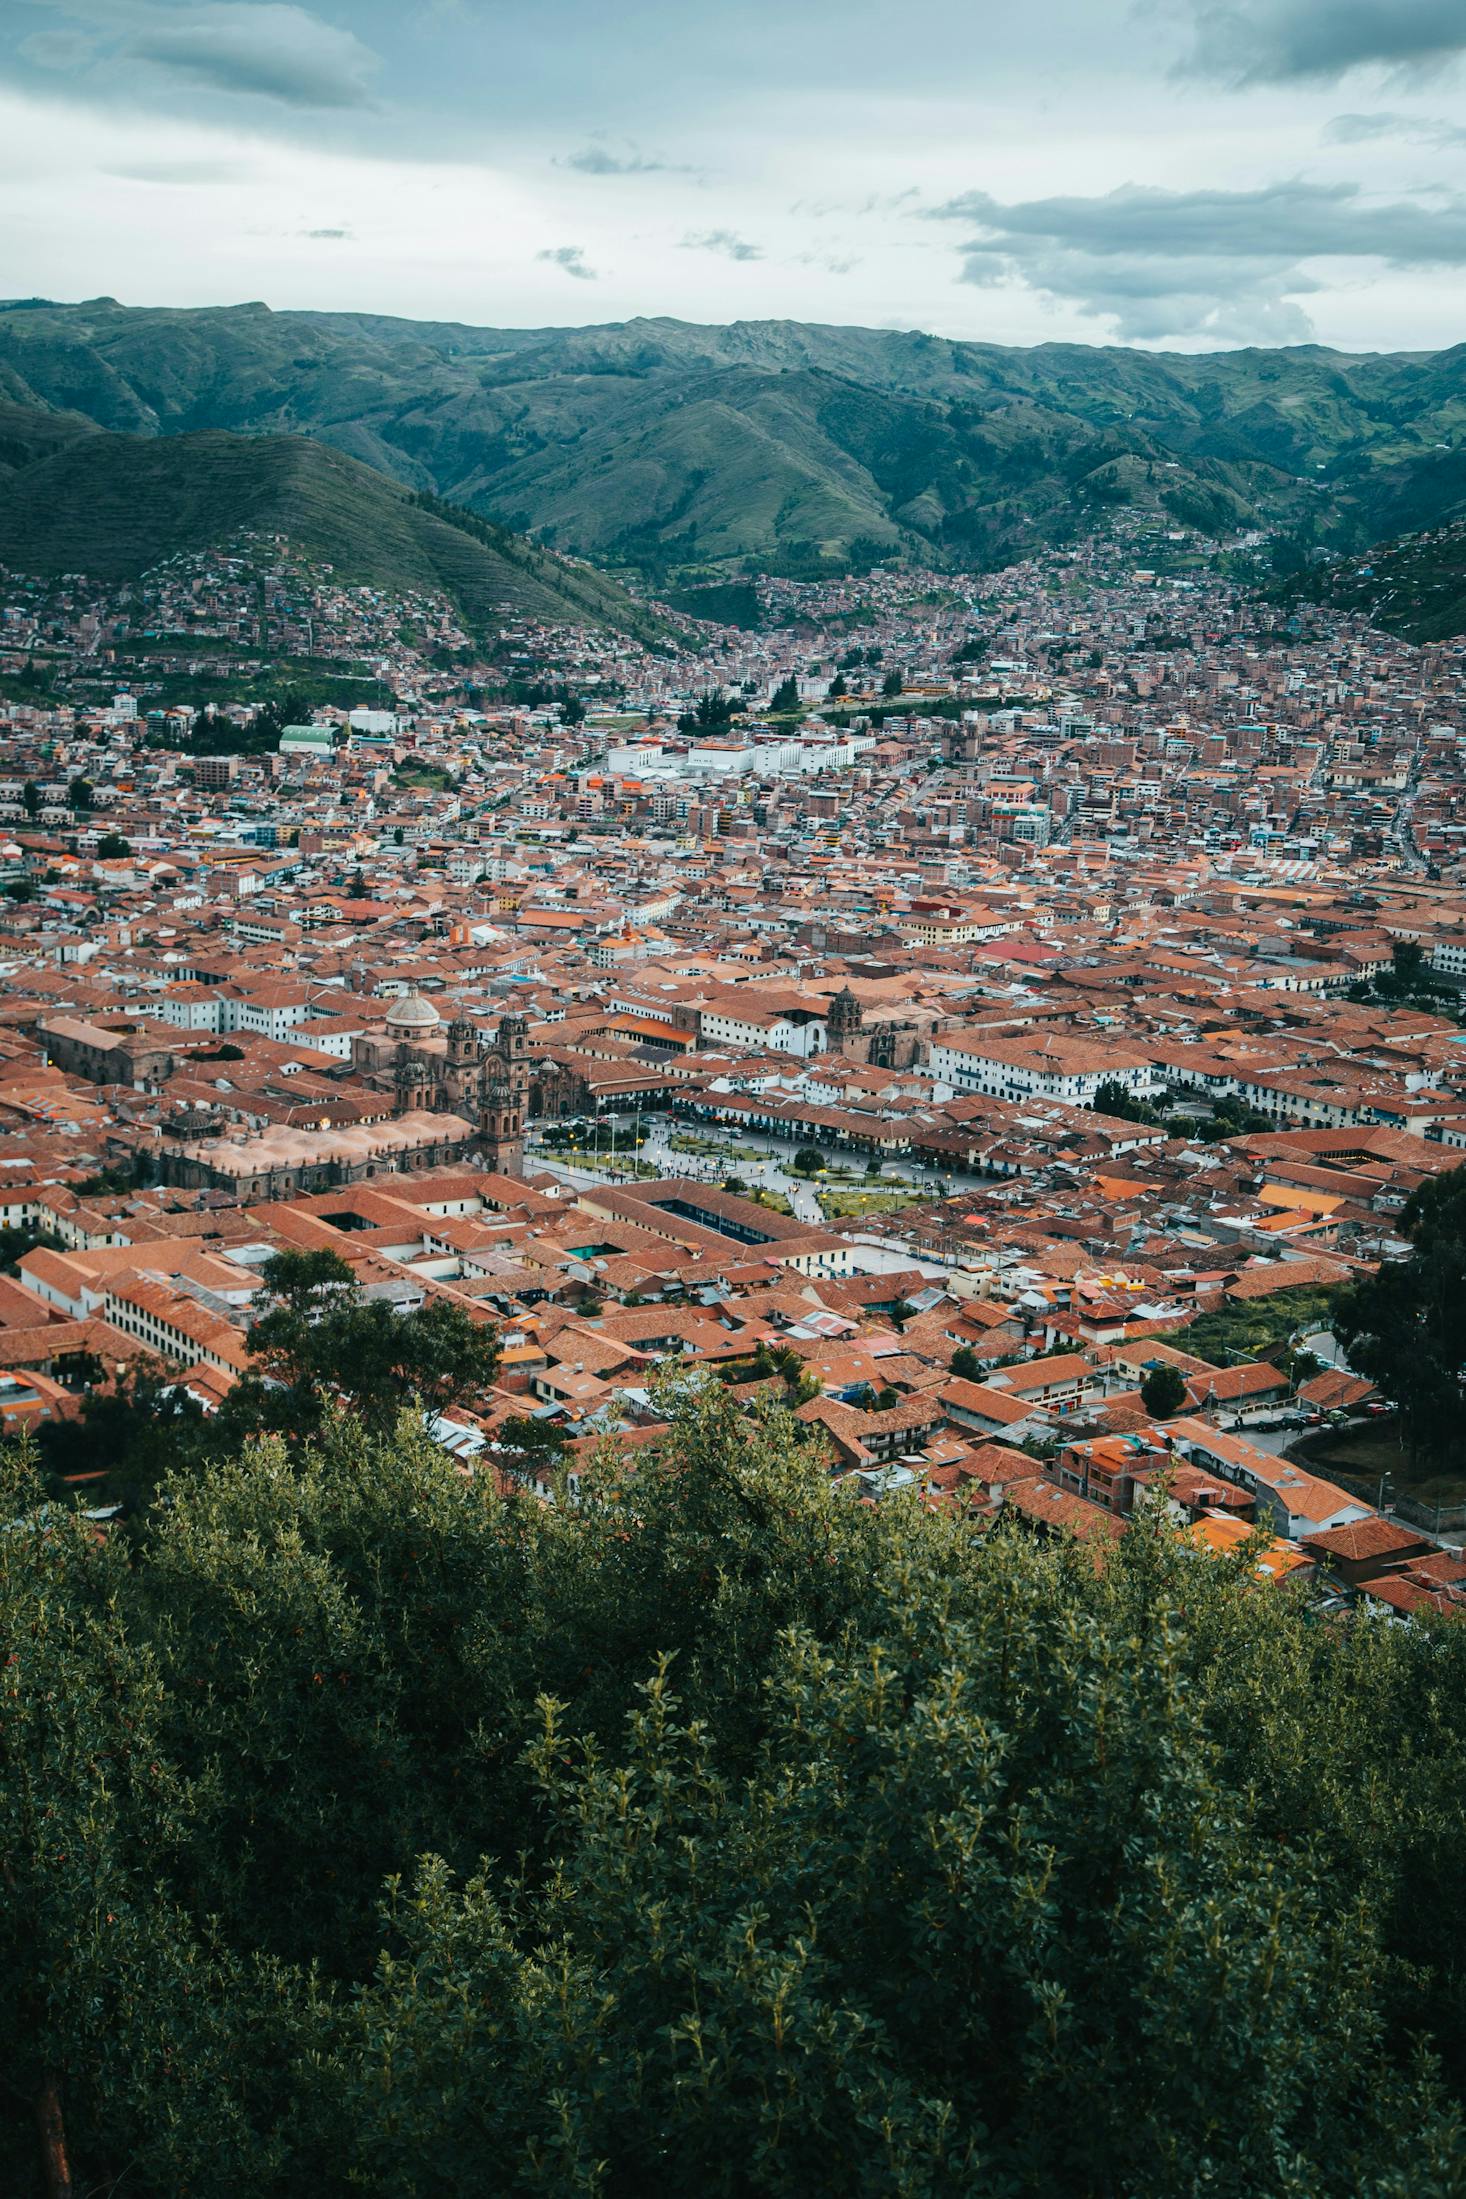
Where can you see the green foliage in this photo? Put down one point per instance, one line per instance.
(1252, 1328)
(320, 1349)
(112, 848)
(965, 1364)
(785, 701)
(16, 1242)
(1118, 1101)
(322, 1340)
(132, 1433)
(366, 1831)
(712, 714)
(807, 1161)
(727, 603)
(1405, 1326)
(1163, 1390)
(528, 1445)
(783, 1361)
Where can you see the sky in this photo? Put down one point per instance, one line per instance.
(1172, 174)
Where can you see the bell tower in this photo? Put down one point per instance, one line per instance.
(843, 1021)
(504, 1096)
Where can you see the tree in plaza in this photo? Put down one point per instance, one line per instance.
(716, 1832)
(1405, 1325)
(808, 1161)
(1163, 1390)
(1116, 1099)
(1407, 961)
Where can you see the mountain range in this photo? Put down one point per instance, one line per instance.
(76, 498)
(689, 454)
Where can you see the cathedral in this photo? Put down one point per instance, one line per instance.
(438, 1069)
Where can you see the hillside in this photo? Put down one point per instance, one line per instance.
(1415, 586)
(75, 499)
(694, 450)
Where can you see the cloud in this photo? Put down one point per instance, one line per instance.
(1229, 265)
(256, 49)
(68, 49)
(1415, 129)
(830, 262)
(1245, 42)
(597, 159)
(570, 257)
(180, 172)
(726, 241)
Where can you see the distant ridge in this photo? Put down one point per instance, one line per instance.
(76, 499)
(697, 453)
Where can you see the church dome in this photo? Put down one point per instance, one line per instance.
(412, 1018)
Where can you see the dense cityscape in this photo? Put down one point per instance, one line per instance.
(982, 996)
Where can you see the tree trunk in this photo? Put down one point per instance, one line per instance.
(55, 2166)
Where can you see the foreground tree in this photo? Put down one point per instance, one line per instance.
(365, 1831)
(323, 1340)
(1405, 1326)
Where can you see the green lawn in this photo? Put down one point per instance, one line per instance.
(833, 1204)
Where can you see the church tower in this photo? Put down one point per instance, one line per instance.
(843, 1021)
(461, 1067)
(504, 1096)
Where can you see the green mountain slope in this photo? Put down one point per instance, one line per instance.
(1415, 586)
(74, 499)
(670, 446)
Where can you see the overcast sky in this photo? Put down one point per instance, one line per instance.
(1175, 173)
